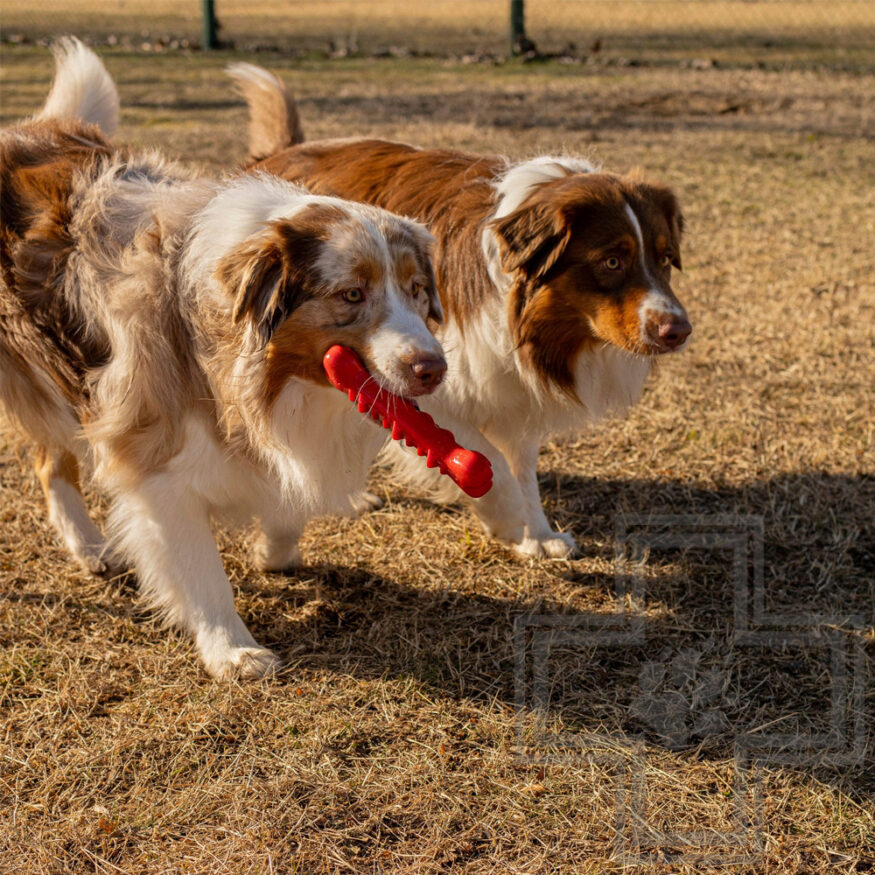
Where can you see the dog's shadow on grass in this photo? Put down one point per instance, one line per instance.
(684, 668)
(814, 531)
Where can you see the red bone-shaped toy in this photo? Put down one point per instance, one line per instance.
(470, 470)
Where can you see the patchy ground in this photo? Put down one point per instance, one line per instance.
(390, 743)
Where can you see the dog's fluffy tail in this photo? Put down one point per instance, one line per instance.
(82, 88)
(273, 115)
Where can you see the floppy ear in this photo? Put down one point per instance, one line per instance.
(667, 203)
(532, 238)
(435, 308)
(676, 222)
(670, 207)
(269, 276)
(425, 247)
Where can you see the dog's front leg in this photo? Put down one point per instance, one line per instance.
(276, 547)
(58, 472)
(166, 531)
(503, 511)
(540, 539)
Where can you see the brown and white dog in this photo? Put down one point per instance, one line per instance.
(170, 329)
(555, 278)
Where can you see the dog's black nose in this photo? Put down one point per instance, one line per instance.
(429, 370)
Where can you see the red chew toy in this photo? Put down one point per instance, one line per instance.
(470, 470)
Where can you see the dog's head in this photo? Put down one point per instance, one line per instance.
(339, 273)
(590, 257)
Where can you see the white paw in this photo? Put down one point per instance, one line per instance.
(556, 545)
(510, 533)
(276, 554)
(245, 663)
(98, 561)
(228, 650)
(364, 502)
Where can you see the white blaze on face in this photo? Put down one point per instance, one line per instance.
(399, 339)
(656, 302)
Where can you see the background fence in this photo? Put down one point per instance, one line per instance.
(628, 31)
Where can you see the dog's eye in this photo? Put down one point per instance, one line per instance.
(613, 263)
(665, 261)
(416, 289)
(354, 296)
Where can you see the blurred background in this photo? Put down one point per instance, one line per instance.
(625, 32)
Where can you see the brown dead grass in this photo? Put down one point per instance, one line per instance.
(732, 31)
(388, 743)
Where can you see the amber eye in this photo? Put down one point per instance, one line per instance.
(612, 263)
(415, 289)
(354, 296)
(665, 261)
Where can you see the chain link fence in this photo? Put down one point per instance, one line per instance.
(627, 31)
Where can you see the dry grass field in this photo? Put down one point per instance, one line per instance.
(401, 736)
(835, 32)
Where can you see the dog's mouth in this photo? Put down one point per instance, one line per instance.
(350, 371)
(651, 346)
(408, 381)
(657, 334)
(659, 349)
(411, 394)
(408, 389)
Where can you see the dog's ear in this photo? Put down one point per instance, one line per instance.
(425, 247)
(666, 203)
(270, 275)
(532, 238)
(675, 218)
(435, 308)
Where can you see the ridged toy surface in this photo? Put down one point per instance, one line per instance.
(470, 470)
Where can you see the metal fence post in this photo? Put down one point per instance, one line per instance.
(517, 25)
(209, 15)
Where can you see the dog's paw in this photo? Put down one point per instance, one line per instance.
(243, 663)
(555, 545)
(364, 502)
(98, 561)
(276, 555)
(511, 533)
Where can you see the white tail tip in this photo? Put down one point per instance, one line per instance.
(82, 89)
(240, 71)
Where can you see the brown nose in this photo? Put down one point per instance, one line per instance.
(429, 370)
(673, 332)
